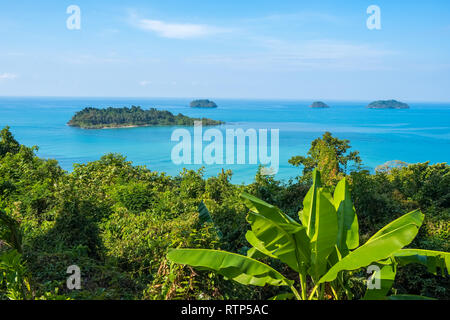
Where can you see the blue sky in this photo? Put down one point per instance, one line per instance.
(227, 49)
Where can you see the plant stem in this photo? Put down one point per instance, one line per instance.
(296, 294)
(303, 286)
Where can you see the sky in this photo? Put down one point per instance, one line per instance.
(255, 49)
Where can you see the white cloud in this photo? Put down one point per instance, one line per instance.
(177, 30)
(309, 55)
(7, 76)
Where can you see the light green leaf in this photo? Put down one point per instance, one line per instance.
(323, 234)
(415, 217)
(277, 235)
(241, 269)
(387, 241)
(348, 229)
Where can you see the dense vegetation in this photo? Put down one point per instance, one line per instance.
(92, 118)
(388, 104)
(203, 104)
(117, 222)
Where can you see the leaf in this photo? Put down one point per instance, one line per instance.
(431, 259)
(205, 217)
(320, 218)
(241, 269)
(415, 217)
(257, 245)
(386, 277)
(203, 214)
(307, 214)
(277, 235)
(323, 241)
(348, 229)
(387, 241)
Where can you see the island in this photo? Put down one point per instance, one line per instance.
(319, 105)
(203, 104)
(388, 104)
(93, 118)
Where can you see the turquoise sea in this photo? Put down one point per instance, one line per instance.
(419, 134)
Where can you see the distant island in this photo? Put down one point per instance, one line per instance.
(388, 104)
(93, 118)
(203, 104)
(319, 105)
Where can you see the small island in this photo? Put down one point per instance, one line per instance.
(93, 118)
(203, 104)
(319, 105)
(388, 104)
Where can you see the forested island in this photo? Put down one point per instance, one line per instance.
(93, 118)
(319, 105)
(388, 104)
(203, 104)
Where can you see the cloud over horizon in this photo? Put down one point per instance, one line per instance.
(177, 30)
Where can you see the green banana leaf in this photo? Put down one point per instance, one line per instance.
(382, 245)
(307, 215)
(320, 218)
(241, 269)
(415, 217)
(323, 241)
(203, 214)
(205, 217)
(431, 259)
(277, 235)
(348, 228)
(257, 245)
(386, 276)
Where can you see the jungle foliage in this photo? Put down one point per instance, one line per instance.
(117, 222)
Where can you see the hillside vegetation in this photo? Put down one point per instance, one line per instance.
(117, 222)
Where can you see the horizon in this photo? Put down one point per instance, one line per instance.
(268, 51)
(222, 98)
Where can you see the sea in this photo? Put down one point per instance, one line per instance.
(418, 134)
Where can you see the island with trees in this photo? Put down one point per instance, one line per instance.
(388, 104)
(203, 104)
(319, 105)
(93, 118)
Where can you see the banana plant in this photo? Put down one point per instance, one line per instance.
(323, 247)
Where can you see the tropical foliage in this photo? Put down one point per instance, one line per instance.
(322, 248)
(117, 221)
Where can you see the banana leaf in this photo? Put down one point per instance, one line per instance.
(382, 245)
(239, 268)
(277, 235)
(348, 229)
(431, 259)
